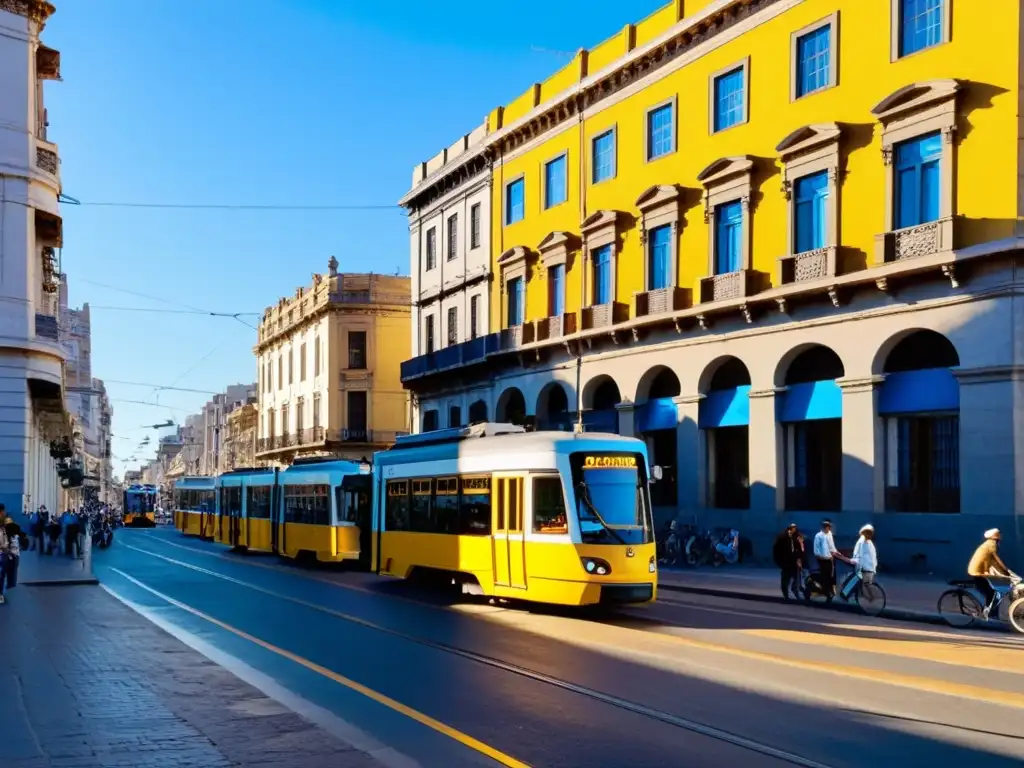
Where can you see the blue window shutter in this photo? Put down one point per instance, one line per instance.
(554, 182)
(918, 180)
(659, 246)
(514, 207)
(557, 287)
(921, 24)
(811, 208)
(604, 156)
(602, 275)
(729, 99)
(813, 59)
(728, 234)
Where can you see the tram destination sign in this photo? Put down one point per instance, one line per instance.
(609, 462)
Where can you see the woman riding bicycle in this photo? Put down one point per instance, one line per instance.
(986, 565)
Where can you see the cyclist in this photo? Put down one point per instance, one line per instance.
(985, 565)
(865, 558)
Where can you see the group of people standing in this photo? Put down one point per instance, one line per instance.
(47, 529)
(791, 556)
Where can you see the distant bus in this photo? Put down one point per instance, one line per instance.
(140, 506)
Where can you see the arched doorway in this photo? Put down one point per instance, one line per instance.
(477, 412)
(511, 407)
(656, 420)
(553, 408)
(600, 396)
(920, 403)
(430, 420)
(724, 416)
(812, 419)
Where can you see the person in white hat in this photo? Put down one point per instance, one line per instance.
(865, 558)
(985, 565)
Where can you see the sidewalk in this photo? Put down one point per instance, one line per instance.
(907, 599)
(85, 682)
(38, 570)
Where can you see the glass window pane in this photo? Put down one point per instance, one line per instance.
(728, 231)
(514, 202)
(659, 257)
(729, 99)
(556, 286)
(920, 24)
(813, 55)
(604, 156)
(659, 132)
(554, 182)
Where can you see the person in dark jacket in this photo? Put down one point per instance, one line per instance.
(788, 556)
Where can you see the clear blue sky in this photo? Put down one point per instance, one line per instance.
(265, 102)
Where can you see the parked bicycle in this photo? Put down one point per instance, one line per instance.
(960, 608)
(871, 598)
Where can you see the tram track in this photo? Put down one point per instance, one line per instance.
(634, 707)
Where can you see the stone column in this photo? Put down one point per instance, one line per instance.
(988, 466)
(626, 413)
(863, 445)
(691, 455)
(765, 463)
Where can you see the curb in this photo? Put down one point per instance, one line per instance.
(86, 581)
(900, 614)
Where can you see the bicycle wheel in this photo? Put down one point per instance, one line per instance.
(873, 605)
(1016, 616)
(959, 608)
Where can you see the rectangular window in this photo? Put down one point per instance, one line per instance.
(474, 316)
(356, 411)
(291, 366)
(923, 464)
(285, 425)
(659, 257)
(302, 363)
(515, 302)
(280, 372)
(428, 341)
(603, 151)
(454, 416)
(453, 236)
(554, 182)
(549, 514)
(300, 415)
(920, 25)
(316, 356)
(421, 517)
(728, 237)
(257, 503)
(316, 410)
(602, 275)
(431, 248)
(556, 290)
(453, 326)
(660, 132)
(396, 508)
(307, 504)
(446, 505)
(474, 226)
(813, 60)
(357, 350)
(730, 99)
(810, 198)
(475, 506)
(918, 180)
(515, 201)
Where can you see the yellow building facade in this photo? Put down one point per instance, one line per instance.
(328, 359)
(778, 240)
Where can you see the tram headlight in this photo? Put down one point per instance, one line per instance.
(595, 566)
(652, 565)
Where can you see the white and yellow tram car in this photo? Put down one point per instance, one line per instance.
(550, 517)
(195, 506)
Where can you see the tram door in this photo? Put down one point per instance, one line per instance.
(508, 538)
(233, 513)
(354, 506)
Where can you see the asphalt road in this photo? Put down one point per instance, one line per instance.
(414, 678)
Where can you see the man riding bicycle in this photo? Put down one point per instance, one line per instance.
(986, 565)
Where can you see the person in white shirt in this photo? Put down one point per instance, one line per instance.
(865, 557)
(826, 554)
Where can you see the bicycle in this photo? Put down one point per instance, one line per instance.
(872, 605)
(960, 608)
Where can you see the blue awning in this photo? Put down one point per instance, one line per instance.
(927, 390)
(725, 408)
(659, 413)
(812, 401)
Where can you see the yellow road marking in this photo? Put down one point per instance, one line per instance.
(881, 677)
(995, 659)
(380, 698)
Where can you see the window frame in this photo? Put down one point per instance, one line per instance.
(452, 232)
(474, 226)
(744, 65)
(474, 315)
(452, 326)
(673, 104)
(896, 30)
(556, 293)
(548, 205)
(429, 341)
(512, 265)
(599, 229)
(506, 200)
(831, 21)
(520, 282)
(726, 180)
(614, 133)
(659, 206)
(430, 246)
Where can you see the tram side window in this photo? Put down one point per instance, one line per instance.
(475, 507)
(549, 514)
(307, 504)
(446, 505)
(397, 510)
(257, 503)
(209, 501)
(421, 517)
(231, 500)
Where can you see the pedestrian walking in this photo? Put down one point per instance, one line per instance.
(788, 556)
(7, 552)
(9, 573)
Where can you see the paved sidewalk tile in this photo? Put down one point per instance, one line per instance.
(87, 683)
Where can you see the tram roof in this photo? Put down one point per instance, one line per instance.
(482, 439)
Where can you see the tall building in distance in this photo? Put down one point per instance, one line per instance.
(328, 359)
(449, 209)
(778, 241)
(35, 426)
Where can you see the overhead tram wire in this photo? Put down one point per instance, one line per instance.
(193, 309)
(229, 206)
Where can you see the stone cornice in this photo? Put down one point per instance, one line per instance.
(444, 180)
(33, 10)
(687, 35)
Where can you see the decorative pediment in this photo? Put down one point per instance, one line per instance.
(914, 97)
(807, 138)
(558, 240)
(725, 168)
(599, 220)
(515, 256)
(658, 196)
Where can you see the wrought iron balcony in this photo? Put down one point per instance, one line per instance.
(661, 300)
(457, 355)
(731, 285)
(46, 327)
(914, 242)
(809, 265)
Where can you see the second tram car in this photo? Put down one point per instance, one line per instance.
(550, 517)
(195, 506)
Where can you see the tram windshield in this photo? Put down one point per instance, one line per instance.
(612, 500)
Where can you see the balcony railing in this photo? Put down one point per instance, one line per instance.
(661, 300)
(603, 315)
(555, 327)
(809, 265)
(915, 242)
(466, 353)
(365, 436)
(46, 327)
(731, 285)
